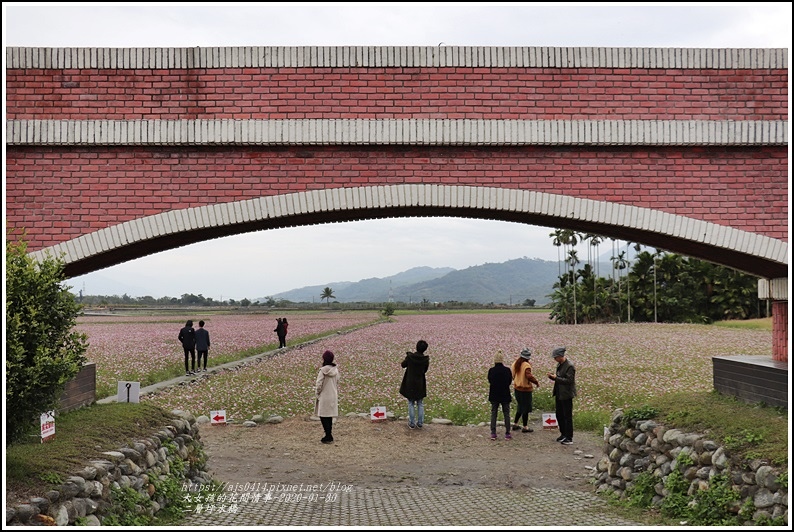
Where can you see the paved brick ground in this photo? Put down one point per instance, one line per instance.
(412, 506)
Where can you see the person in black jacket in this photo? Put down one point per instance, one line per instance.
(499, 379)
(564, 391)
(414, 384)
(187, 335)
(281, 332)
(202, 344)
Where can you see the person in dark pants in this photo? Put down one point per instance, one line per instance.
(187, 335)
(281, 332)
(414, 383)
(564, 391)
(499, 379)
(326, 405)
(523, 384)
(202, 344)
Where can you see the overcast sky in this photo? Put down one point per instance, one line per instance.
(268, 262)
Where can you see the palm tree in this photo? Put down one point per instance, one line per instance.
(557, 242)
(327, 294)
(619, 263)
(595, 241)
(573, 260)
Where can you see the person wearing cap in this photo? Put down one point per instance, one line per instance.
(564, 391)
(414, 384)
(326, 386)
(523, 381)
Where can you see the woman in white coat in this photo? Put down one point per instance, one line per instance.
(326, 406)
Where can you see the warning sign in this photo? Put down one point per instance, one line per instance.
(377, 413)
(549, 421)
(218, 417)
(47, 426)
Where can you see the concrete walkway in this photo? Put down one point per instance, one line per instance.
(410, 506)
(228, 365)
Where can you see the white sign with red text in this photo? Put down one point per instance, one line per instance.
(218, 417)
(47, 426)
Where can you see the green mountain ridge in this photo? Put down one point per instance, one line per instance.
(507, 283)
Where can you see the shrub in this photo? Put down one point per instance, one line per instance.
(42, 351)
(642, 492)
(630, 415)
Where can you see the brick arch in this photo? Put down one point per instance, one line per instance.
(749, 252)
(683, 140)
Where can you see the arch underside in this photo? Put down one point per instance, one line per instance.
(748, 252)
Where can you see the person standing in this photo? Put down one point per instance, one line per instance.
(187, 335)
(564, 391)
(202, 344)
(499, 379)
(523, 381)
(326, 404)
(279, 330)
(285, 325)
(414, 383)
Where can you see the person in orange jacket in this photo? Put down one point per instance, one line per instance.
(523, 381)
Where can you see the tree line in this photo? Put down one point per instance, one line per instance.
(654, 286)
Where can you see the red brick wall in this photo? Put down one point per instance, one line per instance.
(58, 194)
(427, 92)
(780, 328)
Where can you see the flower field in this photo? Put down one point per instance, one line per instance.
(617, 365)
(145, 348)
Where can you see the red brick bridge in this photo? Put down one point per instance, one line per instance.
(117, 153)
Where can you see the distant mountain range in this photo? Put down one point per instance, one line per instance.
(508, 283)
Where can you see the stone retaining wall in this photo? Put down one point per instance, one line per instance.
(646, 446)
(87, 494)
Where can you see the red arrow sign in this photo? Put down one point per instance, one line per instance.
(549, 421)
(379, 414)
(218, 416)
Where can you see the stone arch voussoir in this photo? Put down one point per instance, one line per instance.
(756, 254)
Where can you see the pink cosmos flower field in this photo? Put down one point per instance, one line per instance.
(617, 365)
(145, 349)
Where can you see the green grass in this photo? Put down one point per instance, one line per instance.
(761, 324)
(407, 312)
(34, 467)
(747, 431)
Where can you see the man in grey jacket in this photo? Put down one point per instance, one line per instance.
(564, 391)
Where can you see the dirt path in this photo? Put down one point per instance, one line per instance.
(369, 454)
